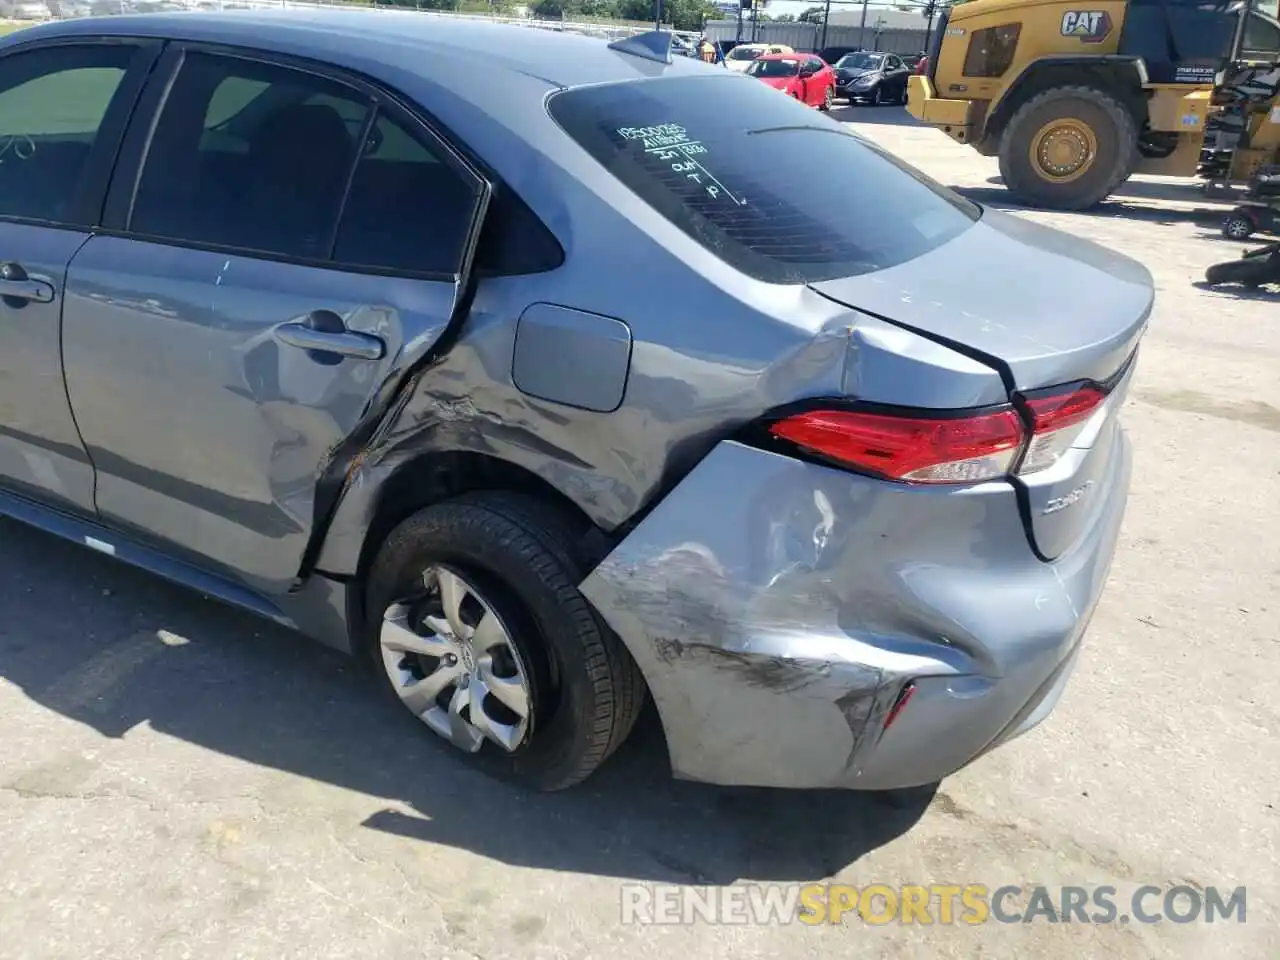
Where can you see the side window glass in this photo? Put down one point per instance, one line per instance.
(250, 155)
(52, 103)
(1261, 36)
(408, 209)
(991, 50)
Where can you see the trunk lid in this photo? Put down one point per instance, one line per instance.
(1045, 309)
(1043, 306)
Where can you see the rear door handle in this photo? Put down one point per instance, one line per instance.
(325, 336)
(16, 285)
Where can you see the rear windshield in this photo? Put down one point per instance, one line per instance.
(745, 53)
(760, 180)
(774, 68)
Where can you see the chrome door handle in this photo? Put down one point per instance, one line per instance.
(16, 285)
(323, 332)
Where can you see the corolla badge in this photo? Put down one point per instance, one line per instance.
(1070, 500)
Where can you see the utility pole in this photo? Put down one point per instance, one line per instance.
(657, 16)
(862, 27)
(739, 37)
(826, 18)
(930, 9)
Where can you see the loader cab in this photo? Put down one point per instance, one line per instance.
(1192, 41)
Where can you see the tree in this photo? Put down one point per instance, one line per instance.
(813, 15)
(784, 18)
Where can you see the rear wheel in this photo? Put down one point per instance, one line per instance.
(1237, 226)
(1247, 273)
(1068, 148)
(828, 98)
(476, 626)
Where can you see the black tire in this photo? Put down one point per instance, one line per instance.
(1247, 273)
(1237, 226)
(586, 689)
(828, 98)
(878, 99)
(1114, 133)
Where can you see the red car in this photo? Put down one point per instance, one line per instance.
(802, 75)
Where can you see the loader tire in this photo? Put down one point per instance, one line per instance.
(1068, 148)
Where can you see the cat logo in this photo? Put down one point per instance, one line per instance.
(1090, 26)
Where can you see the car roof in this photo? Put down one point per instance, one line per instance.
(398, 38)
(785, 56)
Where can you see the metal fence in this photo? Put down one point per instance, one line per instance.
(37, 10)
(808, 36)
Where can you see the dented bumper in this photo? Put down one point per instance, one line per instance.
(777, 608)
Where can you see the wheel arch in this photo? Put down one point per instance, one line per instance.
(1119, 76)
(380, 497)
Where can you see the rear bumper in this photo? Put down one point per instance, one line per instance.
(777, 608)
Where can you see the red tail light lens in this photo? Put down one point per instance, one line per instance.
(900, 704)
(911, 449)
(1058, 420)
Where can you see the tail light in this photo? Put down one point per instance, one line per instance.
(920, 448)
(900, 704)
(1057, 420)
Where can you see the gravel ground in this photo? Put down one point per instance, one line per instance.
(181, 781)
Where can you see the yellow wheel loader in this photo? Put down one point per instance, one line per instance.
(1074, 96)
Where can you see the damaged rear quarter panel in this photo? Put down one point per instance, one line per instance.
(776, 608)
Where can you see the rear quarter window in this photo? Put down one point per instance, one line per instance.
(760, 180)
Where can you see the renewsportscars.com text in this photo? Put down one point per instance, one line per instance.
(968, 904)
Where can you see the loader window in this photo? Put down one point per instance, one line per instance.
(991, 50)
(1261, 38)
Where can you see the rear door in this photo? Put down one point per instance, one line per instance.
(63, 108)
(242, 324)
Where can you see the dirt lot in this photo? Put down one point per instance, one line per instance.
(178, 781)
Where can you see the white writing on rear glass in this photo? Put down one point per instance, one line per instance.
(670, 143)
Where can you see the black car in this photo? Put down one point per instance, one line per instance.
(872, 77)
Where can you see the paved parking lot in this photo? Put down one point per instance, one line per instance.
(180, 781)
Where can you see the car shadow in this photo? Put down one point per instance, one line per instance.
(1183, 191)
(1132, 200)
(892, 115)
(1119, 205)
(112, 647)
(1230, 291)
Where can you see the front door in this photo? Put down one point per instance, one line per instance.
(226, 343)
(62, 110)
(895, 77)
(815, 85)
